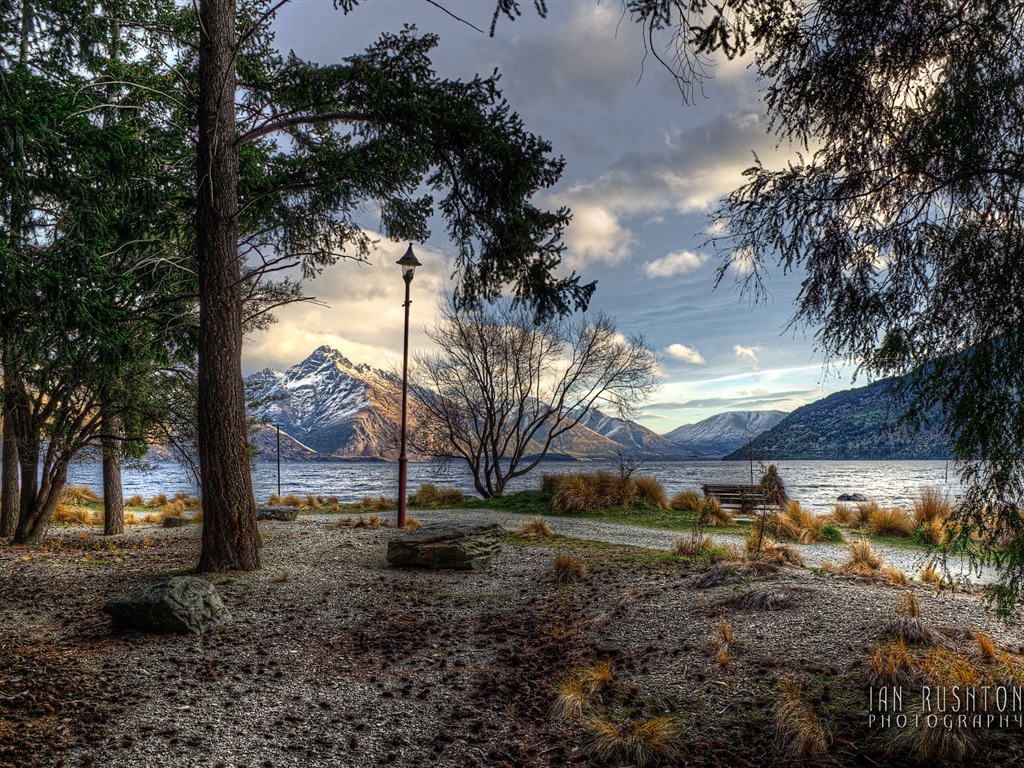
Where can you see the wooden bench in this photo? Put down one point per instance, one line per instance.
(742, 497)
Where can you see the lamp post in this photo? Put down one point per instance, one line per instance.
(278, 458)
(408, 263)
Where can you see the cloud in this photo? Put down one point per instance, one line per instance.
(677, 263)
(749, 354)
(685, 353)
(595, 234)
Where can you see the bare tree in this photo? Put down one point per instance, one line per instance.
(501, 389)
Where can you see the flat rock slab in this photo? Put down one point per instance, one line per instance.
(463, 546)
(175, 521)
(286, 514)
(182, 604)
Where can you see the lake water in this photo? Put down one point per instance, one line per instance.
(814, 483)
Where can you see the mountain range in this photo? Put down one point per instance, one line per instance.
(330, 408)
(861, 423)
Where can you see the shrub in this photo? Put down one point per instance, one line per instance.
(159, 500)
(135, 501)
(844, 514)
(568, 569)
(535, 528)
(890, 521)
(649, 491)
(931, 533)
(641, 743)
(832, 533)
(931, 505)
(797, 725)
(685, 501)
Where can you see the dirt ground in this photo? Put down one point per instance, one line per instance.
(335, 658)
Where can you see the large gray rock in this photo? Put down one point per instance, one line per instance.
(447, 545)
(276, 513)
(852, 497)
(182, 604)
(176, 521)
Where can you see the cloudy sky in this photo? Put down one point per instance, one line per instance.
(643, 171)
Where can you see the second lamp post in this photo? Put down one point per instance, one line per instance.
(408, 263)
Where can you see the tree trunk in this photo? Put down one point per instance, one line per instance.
(231, 538)
(113, 499)
(9, 505)
(33, 524)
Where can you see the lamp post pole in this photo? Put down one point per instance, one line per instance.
(278, 458)
(408, 263)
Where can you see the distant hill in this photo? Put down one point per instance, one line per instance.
(333, 408)
(723, 433)
(859, 423)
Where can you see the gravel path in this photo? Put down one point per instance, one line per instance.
(909, 561)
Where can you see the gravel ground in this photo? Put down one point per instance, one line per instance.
(334, 659)
(908, 560)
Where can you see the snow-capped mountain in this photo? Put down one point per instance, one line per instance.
(723, 433)
(331, 405)
(635, 440)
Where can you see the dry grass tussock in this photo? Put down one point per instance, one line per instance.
(693, 545)
(429, 495)
(931, 506)
(864, 562)
(894, 576)
(635, 743)
(890, 521)
(372, 521)
(65, 514)
(188, 500)
(130, 518)
(710, 512)
(567, 569)
(135, 501)
(930, 575)
(573, 693)
(770, 551)
(587, 492)
(412, 524)
(864, 510)
(764, 599)
(844, 514)
(908, 626)
(685, 501)
(535, 528)
(158, 500)
(986, 646)
(797, 726)
(72, 495)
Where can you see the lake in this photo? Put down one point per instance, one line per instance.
(814, 483)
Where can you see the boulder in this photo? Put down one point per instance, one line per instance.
(463, 546)
(286, 514)
(175, 521)
(852, 497)
(182, 604)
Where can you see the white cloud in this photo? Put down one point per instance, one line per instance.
(677, 263)
(742, 261)
(685, 353)
(595, 234)
(749, 354)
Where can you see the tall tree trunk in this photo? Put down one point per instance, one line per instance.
(231, 538)
(28, 459)
(33, 524)
(113, 499)
(9, 505)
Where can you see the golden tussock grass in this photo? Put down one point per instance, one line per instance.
(711, 513)
(908, 626)
(846, 515)
(273, 500)
(291, 500)
(693, 545)
(894, 576)
(571, 699)
(636, 743)
(429, 495)
(927, 744)
(135, 501)
(130, 518)
(650, 491)
(78, 494)
(931, 505)
(930, 575)
(568, 569)
(808, 526)
(65, 514)
(685, 501)
(891, 664)
(890, 521)
(372, 521)
(864, 561)
(312, 502)
(412, 524)
(380, 504)
(909, 606)
(986, 646)
(535, 528)
(797, 726)
(771, 550)
(864, 510)
(725, 634)
(932, 532)
(157, 500)
(595, 675)
(573, 495)
(332, 501)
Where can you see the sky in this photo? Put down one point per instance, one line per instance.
(643, 173)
